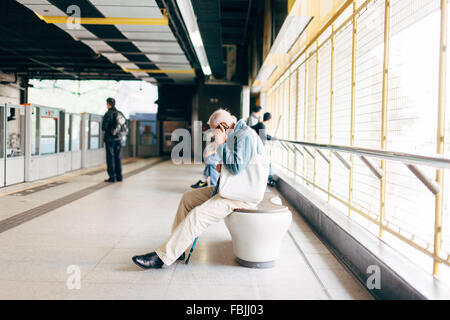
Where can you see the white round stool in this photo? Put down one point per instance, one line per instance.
(257, 233)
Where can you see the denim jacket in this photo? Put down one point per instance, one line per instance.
(237, 152)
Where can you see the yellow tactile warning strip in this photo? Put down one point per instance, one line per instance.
(30, 214)
(37, 189)
(82, 173)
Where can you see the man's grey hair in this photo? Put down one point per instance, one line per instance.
(219, 116)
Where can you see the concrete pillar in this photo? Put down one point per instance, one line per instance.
(245, 102)
(27, 151)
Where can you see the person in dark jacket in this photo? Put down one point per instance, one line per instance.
(254, 117)
(112, 142)
(260, 127)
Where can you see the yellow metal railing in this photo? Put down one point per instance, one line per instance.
(362, 82)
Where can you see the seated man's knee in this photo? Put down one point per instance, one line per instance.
(185, 197)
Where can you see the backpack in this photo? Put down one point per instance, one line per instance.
(120, 125)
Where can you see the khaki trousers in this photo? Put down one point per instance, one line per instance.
(196, 212)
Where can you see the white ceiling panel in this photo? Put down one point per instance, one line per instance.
(80, 32)
(149, 79)
(130, 12)
(143, 28)
(113, 57)
(140, 74)
(153, 50)
(128, 65)
(124, 3)
(149, 36)
(98, 45)
(172, 66)
(33, 2)
(45, 9)
(83, 34)
(157, 46)
(158, 58)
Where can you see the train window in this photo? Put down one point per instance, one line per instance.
(76, 132)
(48, 135)
(48, 131)
(147, 130)
(15, 129)
(94, 135)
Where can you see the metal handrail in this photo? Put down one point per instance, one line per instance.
(407, 158)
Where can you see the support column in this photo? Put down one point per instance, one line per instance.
(352, 121)
(333, 45)
(316, 105)
(296, 120)
(384, 110)
(245, 103)
(440, 136)
(27, 151)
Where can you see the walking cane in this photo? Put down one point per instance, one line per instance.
(192, 249)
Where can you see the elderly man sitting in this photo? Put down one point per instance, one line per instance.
(198, 209)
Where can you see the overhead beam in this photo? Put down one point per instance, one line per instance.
(107, 21)
(39, 62)
(141, 53)
(126, 40)
(167, 71)
(153, 63)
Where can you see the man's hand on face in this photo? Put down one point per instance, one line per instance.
(220, 135)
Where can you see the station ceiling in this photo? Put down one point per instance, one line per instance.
(36, 43)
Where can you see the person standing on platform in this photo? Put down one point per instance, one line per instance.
(254, 117)
(114, 126)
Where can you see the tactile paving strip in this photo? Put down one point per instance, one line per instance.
(37, 189)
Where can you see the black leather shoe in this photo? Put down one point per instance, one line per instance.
(119, 180)
(271, 183)
(148, 261)
(199, 184)
(109, 180)
(182, 257)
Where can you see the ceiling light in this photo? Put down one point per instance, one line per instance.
(190, 20)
